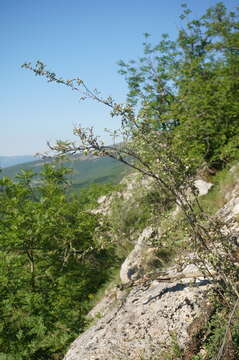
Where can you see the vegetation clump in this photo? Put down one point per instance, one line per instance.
(50, 264)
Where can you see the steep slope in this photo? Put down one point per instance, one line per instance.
(160, 314)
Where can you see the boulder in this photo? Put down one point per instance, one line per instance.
(202, 186)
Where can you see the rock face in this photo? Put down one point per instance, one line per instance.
(131, 183)
(142, 321)
(231, 208)
(133, 266)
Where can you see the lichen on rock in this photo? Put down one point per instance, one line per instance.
(144, 318)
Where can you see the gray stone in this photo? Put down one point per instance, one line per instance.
(132, 267)
(141, 321)
(202, 186)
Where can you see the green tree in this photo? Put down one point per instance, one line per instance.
(190, 86)
(50, 265)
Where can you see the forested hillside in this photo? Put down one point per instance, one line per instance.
(6, 161)
(84, 171)
(180, 123)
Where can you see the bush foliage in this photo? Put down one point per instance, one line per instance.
(50, 265)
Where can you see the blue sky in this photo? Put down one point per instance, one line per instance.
(74, 38)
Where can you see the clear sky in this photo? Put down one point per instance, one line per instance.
(74, 38)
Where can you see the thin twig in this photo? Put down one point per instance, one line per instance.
(221, 350)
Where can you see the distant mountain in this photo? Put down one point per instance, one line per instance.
(6, 161)
(86, 171)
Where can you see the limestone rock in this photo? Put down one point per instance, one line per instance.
(202, 186)
(141, 320)
(231, 209)
(133, 266)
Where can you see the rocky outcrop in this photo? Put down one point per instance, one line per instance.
(135, 265)
(142, 321)
(148, 313)
(231, 208)
(131, 184)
